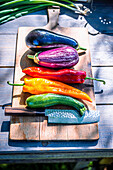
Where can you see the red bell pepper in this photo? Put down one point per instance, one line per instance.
(63, 75)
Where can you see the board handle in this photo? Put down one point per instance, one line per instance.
(53, 15)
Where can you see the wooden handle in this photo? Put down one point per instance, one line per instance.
(53, 15)
(18, 111)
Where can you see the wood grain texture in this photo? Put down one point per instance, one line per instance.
(38, 18)
(103, 93)
(52, 132)
(24, 128)
(7, 50)
(5, 89)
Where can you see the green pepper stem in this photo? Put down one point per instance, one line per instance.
(81, 48)
(34, 56)
(96, 79)
(15, 84)
(30, 56)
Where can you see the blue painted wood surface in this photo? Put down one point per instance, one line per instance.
(101, 47)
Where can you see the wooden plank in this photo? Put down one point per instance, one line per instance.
(6, 74)
(67, 15)
(103, 93)
(27, 128)
(105, 126)
(67, 132)
(90, 132)
(52, 132)
(7, 50)
(48, 132)
(11, 27)
(102, 58)
(7, 57)
(105, 46)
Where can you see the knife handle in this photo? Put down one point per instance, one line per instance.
(21, 111)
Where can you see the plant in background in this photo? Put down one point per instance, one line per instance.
(12, 9)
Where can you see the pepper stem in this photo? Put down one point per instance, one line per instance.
(81, 48)
(15, 84)
(96, 79)
(34, 57)
(30, 56)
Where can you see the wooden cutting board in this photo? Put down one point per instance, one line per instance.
(37, 128)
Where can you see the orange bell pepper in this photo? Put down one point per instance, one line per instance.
(41, 86)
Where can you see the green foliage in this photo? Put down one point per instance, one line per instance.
(40, 166)
(12, 9)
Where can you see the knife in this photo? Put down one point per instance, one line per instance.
(57, 116)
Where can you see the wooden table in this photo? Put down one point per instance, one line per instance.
(100, 26)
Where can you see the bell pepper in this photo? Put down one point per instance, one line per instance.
(41, 86)
(63, 75)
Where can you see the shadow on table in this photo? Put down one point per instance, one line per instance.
(61, 145)
(5, 126)
(99, 21)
